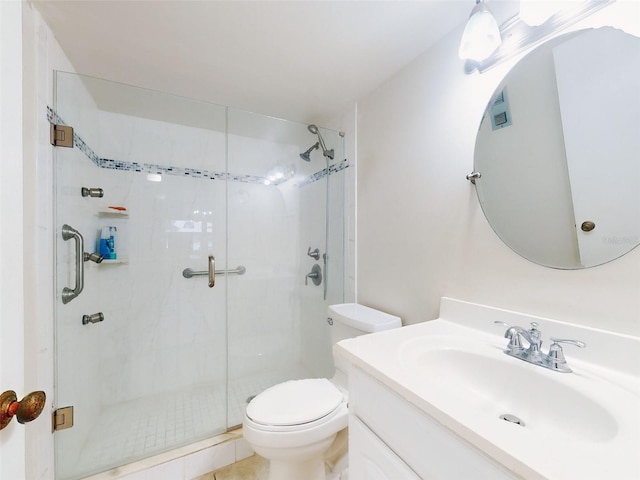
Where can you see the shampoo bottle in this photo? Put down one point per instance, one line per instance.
(108, 243)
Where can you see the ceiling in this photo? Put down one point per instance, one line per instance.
(299, 60)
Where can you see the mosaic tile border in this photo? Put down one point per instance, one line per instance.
(335, 168)
(111, 164)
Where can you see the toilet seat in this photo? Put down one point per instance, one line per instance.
(294, 405)
(294, 424)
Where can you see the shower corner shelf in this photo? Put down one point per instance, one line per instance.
(116, 261)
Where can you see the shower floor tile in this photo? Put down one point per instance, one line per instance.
(136, 429)
(132, 430)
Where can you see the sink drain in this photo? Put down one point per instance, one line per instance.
(512, 419)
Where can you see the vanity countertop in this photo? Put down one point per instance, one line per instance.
(582, 425)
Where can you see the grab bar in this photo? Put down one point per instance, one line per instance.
(212, 271)
(67, 234)
(81, 256)
(189, 272)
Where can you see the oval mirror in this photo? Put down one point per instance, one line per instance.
(558, 151)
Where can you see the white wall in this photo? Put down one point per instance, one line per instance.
(421, 232)
(12, 351)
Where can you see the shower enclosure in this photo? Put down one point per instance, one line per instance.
(148, 357)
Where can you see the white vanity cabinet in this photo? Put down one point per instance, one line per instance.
(389, 438)
(371, 459)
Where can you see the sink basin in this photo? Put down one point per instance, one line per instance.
(570, 426)
(493, 384)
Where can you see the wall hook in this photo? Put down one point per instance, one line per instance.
(473, 176)
(92, 192)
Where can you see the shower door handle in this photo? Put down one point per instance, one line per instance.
(212, 271)
(69, 233)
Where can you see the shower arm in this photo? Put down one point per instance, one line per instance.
(313, 147)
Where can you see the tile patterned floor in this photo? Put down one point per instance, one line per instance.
(252, 468)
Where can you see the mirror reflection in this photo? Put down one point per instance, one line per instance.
(558, 150)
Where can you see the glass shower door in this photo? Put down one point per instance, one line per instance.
(278, 217)
(140, 349)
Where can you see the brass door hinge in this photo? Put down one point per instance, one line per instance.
(61, 135)
(62, 418)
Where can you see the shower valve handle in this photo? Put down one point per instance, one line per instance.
(315, 254)
(315, 275)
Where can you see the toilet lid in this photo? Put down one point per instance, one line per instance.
(295, 402)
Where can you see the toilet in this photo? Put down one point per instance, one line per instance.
(293, 423)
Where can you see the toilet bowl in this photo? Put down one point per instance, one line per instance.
(293, 423)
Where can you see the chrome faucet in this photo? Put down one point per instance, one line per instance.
(554, 360)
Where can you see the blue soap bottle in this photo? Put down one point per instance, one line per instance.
(108, 243)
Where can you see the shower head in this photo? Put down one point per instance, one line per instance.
(306, 155)
(316, 131)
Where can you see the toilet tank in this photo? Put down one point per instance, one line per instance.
(348, 320)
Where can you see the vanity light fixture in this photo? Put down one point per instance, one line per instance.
(518, 35)
(481, 36)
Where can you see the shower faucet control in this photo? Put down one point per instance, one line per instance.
(315, 254)
(315, 275)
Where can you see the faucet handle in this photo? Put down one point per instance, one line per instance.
(556, 358)
(577, 343)
(315, 254)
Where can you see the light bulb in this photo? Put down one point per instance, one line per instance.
(481, 36)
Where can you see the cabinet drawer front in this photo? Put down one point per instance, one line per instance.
(427, 447)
